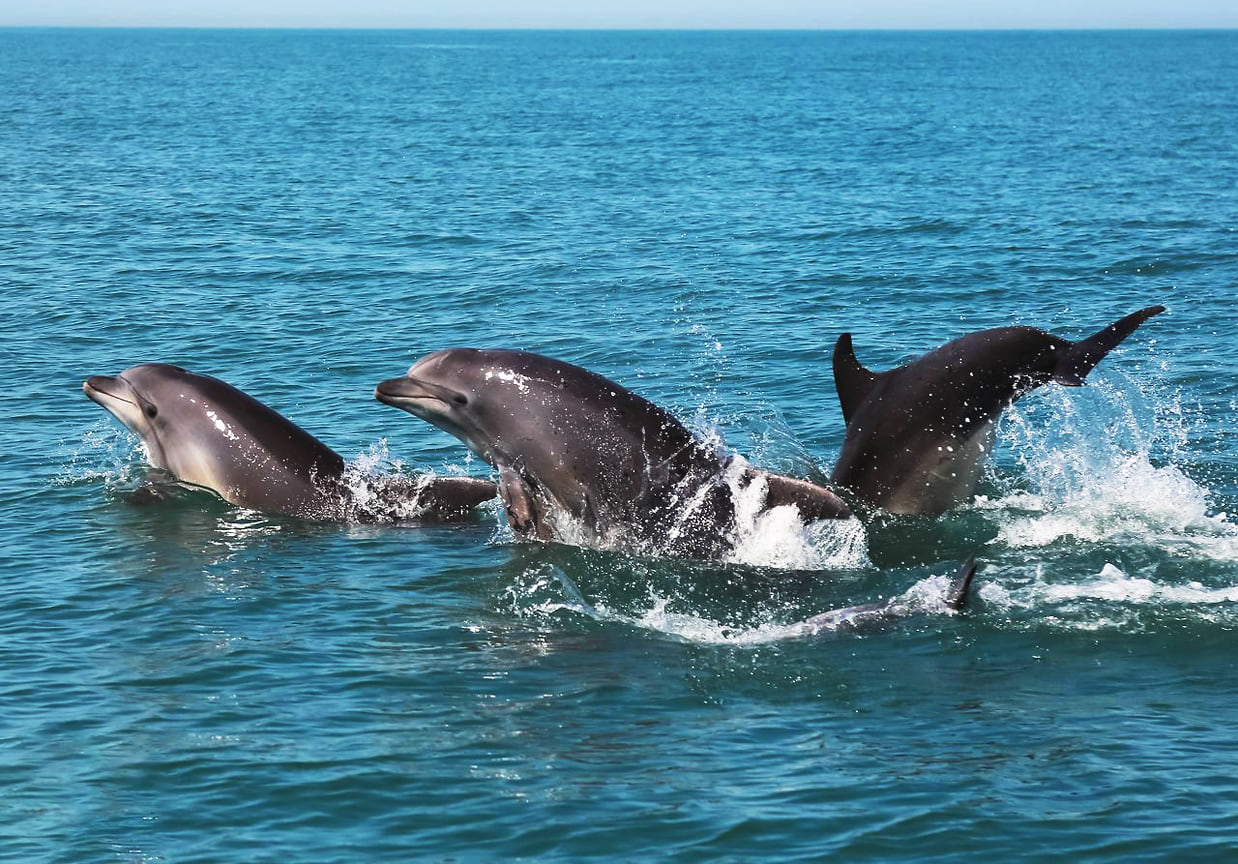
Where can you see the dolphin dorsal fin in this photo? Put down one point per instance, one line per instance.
(852, 381)
(956, 596)
(1086, 353)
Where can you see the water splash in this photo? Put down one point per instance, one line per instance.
(1097, 464)
(925, 597)
(759, 536)
(777, 536)
(380, 488)
(106, 452)
(546, 591)
(368, 474)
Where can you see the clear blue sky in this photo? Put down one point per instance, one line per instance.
(815, 14)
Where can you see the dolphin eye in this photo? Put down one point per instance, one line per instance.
(151, 411)
(460, 399)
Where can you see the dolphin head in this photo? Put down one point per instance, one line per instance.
(194, 426)
(208, 433)
(445, 389)
(135, 397)
(572, 448)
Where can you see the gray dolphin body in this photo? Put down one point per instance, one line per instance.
(208, 433)
(874, 616)
(576, 451)
(918, 435)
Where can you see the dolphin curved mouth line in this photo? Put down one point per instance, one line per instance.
(402, 397)
(406, 391)
(113, 396)
(92, 390)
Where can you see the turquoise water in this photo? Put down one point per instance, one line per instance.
(698, 216)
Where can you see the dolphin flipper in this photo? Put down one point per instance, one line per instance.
(812, 501)
(522, 510)
(1083, 355)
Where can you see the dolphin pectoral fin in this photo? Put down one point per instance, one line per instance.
(956, 597)
(813, 502)
(448, 497)
(518, 502)
(852, 381)
(1082, 356)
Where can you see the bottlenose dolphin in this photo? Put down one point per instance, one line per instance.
(871, 616)
(918, 435)
(577, 452)
(208, 433)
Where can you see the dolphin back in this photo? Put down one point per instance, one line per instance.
(875, 616)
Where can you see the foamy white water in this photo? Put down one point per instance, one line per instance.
(1098, 467)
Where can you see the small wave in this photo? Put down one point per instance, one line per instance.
(441, 46)
(546, 591)
(905, 226)
(1162, 223)
(431, 239)
(1109, 600)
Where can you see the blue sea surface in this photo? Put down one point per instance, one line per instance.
(697, 216)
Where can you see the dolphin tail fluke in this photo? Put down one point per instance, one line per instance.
(956, 597)
(1083, 356)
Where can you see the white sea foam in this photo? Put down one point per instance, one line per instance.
(1100, 468)
(925, 597)
(1105, 600)
(778, 537)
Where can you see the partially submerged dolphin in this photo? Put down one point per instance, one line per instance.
(918, 435)
(208, 433)
(872, 616)
(577, 452)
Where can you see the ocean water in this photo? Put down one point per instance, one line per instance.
(697, 216)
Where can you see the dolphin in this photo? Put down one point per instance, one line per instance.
(209, 434)
(917, 436)
(871, 616)
(575, 452)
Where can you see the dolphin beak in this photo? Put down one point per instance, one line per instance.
(412, 395)
(434, 403)
(396, 390)
(118, 398)
(101, 387)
